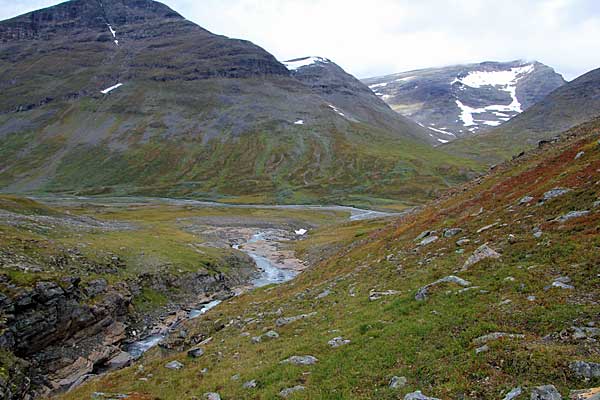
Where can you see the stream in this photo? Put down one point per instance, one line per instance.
(269, 273)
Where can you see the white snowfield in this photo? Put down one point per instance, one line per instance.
(110, 89)
(503, 80)
(299, 122)
(293, 65)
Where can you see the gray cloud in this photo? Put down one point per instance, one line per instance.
(386, 36)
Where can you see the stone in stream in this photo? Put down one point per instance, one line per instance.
(300, 360)
(418, 395)
(513, 394)
(290, 391)
(483, 252)
(175, 365)
(547, 392)
(397, 382)
(585, 370)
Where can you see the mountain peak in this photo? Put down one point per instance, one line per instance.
(298, 63)
(82, 15)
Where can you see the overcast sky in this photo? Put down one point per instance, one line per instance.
(376, 37)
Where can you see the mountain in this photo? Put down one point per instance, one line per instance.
(464, 100)
(128, 97)
(351, 97)
(488, 293)
(570, 105)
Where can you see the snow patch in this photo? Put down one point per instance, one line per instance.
(301, 232)
(378, 85)
(441, 130)
(298, 63)
(408, 78)
(337, 110)
(299, 122)
(443, 141)
(114, 33)
(110, 89)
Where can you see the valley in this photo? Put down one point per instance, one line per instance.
(184, 215)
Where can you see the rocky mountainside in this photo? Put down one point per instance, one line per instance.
(490, 292)
(464, 100)
(572, 104)
(126, 96)
(350, 97)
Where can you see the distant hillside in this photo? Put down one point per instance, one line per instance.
(572, 104)
(128, 97)
(464, 100)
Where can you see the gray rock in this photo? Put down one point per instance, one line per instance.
(495, 336)
(121, 360)
(556, 192)
(271, 335)
(373, 295)
(338, 341)
(586, 394)
(596, 204)
(212, 396)
(482, 349)
(418, 395)
(483, 252)
(451, 232)
(572, 215)
(487, 227)
(96, 287)
(398, 382)
(513, 394)
(290, 391)
(288, 320)
(196, 353)
(300, 360)
(423, 292)
(547, 392)
(428, 240)
(462, 242)
(585, 370)
(176, 365)
(525, 200)
(579, 155)
(323, 294)
(423, 235)
(250, 384)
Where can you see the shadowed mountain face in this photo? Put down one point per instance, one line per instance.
(126, 96)
(575, 103)
(464, 100)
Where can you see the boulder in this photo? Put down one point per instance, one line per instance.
(483, 252)
(572, 215)
(424, 291)
(585, 370)
(290, 391)
(212, 396)
(398, 382)
(338, 341)
(451, 232)
(196, 352)
(250, 384)
(556, 192)
(547, 392)
(176, 365)
(373, 295)
(120, 361)
(418, 395)
(495, 336)
(300, 360)
(513, 394)
(288, 320)
(586, 394)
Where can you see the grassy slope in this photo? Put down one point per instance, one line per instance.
(126, 144)
(431, 342)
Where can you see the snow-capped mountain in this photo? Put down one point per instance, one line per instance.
(464, 100)
(348, 97)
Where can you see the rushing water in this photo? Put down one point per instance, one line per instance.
(269, 274)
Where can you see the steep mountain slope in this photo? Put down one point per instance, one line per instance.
(493, 289)
(572, 104)
(463, 100)
(351, 97)
(126, 96)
